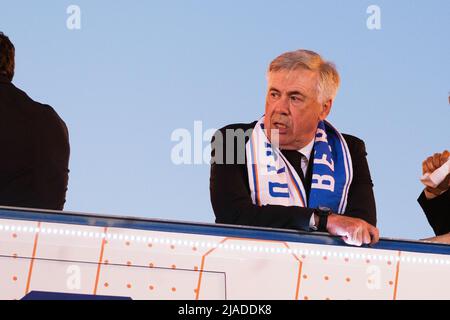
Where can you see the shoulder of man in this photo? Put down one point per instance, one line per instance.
(234, 130)
(49, 124)
(49, 115)
(354, 144)
(230, 141)
(237, 126)
(43, 113)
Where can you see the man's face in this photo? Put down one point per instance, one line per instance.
(292, 107)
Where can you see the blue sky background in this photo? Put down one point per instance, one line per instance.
(138, 70)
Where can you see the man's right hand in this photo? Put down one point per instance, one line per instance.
(429, 166)
(353, 231)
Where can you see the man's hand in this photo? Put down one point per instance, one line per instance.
(429, 166)
(352, 230)
(445, 238)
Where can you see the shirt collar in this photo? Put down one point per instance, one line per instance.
(307, 150)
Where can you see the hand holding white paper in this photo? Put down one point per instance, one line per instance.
(434, 179)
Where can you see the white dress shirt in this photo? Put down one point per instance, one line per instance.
(306, 155)
(306, 152)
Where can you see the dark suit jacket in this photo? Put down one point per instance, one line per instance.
(437, 211)
(232, 203)
(34, 144)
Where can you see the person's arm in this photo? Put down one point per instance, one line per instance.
(361, 200)
(232, 203)
(435, 201)
(358, 225)
(52, 152)
(437, 211)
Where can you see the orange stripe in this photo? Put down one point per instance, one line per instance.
(300, 266)
(396, 276)
(298, 191)
(297, 290)
(258, 202)
(199, 283)
(100, 260)
(30, 271)
(245, 239)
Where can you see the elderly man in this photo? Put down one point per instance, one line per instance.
(435, 201)
(291, 168)
(34, 145)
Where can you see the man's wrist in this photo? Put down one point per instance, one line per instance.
(321, 215)
(430, 195)
(316, 221)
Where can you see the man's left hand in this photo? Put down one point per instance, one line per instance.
(429, 166)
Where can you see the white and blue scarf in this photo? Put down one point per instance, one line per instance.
(273, 180)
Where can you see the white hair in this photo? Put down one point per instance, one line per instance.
(329, 79)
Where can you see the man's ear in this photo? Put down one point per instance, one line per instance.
(326, 108)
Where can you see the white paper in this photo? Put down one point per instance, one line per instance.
(436, 178)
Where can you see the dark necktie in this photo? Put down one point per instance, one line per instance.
(295, 159)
